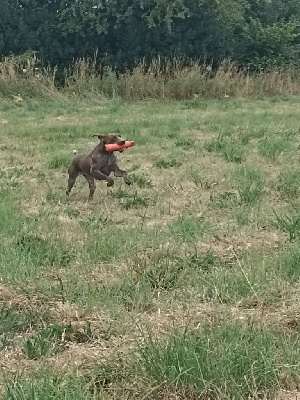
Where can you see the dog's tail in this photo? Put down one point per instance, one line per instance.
(74, 152)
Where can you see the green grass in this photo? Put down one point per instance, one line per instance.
(40, 345)
(185, 143)
(208, 228)
(226, 360)
(249, 182)
(289, 224)
(230, 150)
(141, 181)
(167, 163)
(288, 183)
(190, 228)
(49, 387)
(14, 322)
(58, 161)
(273, 146)
(289, 264)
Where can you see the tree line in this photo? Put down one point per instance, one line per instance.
(254, 33)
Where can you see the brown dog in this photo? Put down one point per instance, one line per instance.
(98, 164)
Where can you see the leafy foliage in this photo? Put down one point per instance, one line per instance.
(259, 33)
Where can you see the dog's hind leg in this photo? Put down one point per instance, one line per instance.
(92, 185)
(73, 174)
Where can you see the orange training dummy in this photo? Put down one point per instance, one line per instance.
(116, 147)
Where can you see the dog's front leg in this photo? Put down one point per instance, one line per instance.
(97, 174)
(122, 174)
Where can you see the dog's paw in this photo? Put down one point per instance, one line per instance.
(128, 182)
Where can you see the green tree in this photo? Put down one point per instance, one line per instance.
(258, 33)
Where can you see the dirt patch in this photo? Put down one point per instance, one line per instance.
(12, 298)
(288, 395)
(229, 246)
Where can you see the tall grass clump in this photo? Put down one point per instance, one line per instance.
(288, 223)
(48, 386)
(25, 75)
(175, 78)
(181, 79)
(229, 360)
(289, 263)
(230, 150)
(250, 184)
(272, 147)
(288, 183)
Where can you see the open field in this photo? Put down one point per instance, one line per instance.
(184, 285)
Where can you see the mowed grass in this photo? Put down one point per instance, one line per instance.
(184, 285)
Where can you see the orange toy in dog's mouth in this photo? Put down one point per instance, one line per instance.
(117, 147)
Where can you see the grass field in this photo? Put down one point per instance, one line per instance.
(184, 285)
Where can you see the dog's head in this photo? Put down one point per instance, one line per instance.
(112, 138)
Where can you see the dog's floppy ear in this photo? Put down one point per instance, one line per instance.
(99, 136)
